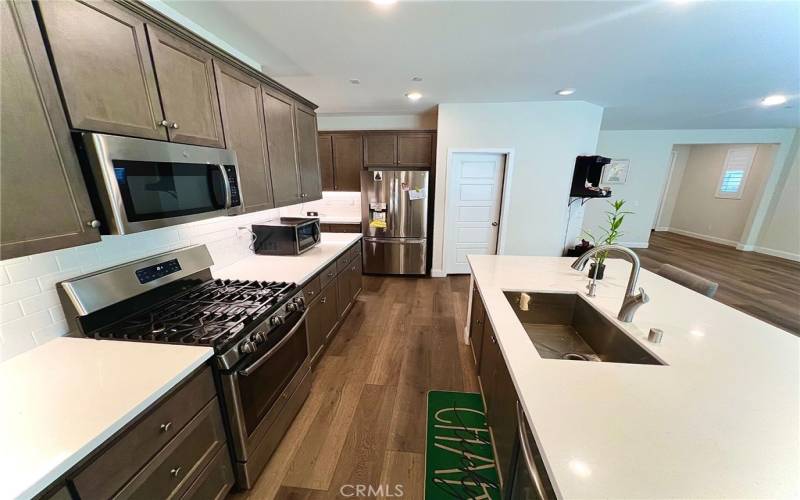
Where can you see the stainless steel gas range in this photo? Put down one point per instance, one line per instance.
(256, 328)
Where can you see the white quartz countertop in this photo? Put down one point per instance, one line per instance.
(720, 420)
(293, 268)
(63, 399)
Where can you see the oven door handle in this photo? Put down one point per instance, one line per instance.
(227, 182)
(527, 454)
(263, 359)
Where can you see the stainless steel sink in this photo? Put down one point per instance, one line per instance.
(564, 326)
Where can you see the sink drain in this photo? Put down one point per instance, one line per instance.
(580, 357)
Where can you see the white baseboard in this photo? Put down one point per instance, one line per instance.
(661, 228)
(778, 253)
(745, 248)
(713, 239)
(438, 273)
(634, 244)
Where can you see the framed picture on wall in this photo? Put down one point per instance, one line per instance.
(616, 172)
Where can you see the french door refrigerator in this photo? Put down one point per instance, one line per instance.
(394, 221)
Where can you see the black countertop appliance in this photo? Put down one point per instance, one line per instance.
(586, 178)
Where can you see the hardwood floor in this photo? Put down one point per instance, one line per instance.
(760, 285)
(364, 421)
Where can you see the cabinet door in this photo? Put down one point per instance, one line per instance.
(344, 292)
(104, 69)
(355, 278)
(279, 120)
(415, 150)
(316, 333)
(188, 90)
(43, 200)
(325, 143)
(307, 155)
(488, 362)
(330, 309)
(476, 326)
(243, 122)
(380, 150)
(501, 415)
(348, 160)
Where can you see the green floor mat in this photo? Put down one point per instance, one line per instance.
(459, 461)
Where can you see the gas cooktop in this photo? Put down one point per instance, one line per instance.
(213, 314)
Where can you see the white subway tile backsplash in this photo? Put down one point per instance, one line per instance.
(17, 291)
(34, 266)
(31, 312)
(10, 312)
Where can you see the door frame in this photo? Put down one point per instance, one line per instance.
(654, 226)
(505, 197)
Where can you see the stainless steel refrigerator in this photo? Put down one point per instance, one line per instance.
(394, 221)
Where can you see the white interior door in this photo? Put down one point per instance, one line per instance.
(474, 197)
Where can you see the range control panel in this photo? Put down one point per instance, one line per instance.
(150, 273)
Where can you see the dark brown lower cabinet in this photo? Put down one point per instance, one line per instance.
(500, 398)
(176, 449)
(476, 319)
(323, 315)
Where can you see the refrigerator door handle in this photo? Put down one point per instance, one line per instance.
(395, 240)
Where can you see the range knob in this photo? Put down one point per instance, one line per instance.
(247, 347)
(276, 320)
(300, 301)
(291, 307)
(258, 337)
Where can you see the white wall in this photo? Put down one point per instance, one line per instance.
(698, 212)
(780, 234)
(331, 122)
(545, 137)
(649, 153)
(30, 312)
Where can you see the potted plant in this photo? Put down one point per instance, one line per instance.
(611, 234)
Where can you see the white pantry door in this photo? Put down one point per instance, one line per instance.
(475, 193)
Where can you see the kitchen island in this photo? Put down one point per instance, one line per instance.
(719, 419)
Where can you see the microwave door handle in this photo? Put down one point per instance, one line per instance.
(227, 183)
(263, 359)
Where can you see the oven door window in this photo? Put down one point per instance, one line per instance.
(259, 390)
(160, 190)
(307, 236)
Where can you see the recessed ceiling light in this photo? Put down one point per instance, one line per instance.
(355, 81)
(416, 79)
(565, 92)
(773, 100)
(414, 96)
(383, 3)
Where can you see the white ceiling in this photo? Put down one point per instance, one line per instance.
(652, 65)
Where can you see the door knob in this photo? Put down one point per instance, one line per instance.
(494, 224)
(164, 123)
(174, 125)
(94, 224)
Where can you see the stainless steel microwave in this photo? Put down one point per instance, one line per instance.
(140, 184)
(286, 236)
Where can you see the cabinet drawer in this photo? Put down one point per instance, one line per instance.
(133, 449)
(171, 472)
(343, 261)
(311, 290)
(327, 275)
(215, 481)
(355, 252)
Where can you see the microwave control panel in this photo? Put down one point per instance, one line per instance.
(234, 185)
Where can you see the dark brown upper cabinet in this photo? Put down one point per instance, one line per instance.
(243, 123)
(307, 155)
(185, 76)
(348, 158)
(281, 144)
(43, 201)
(380, 150)
(415, 150)
(103, 63)
(325, 144)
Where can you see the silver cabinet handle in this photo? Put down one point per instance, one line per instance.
(323, 300)
(522, 427)
(174, 472)
(94, 224)
(494, 340)
(164, 123)
(174, 125)
(166, 427)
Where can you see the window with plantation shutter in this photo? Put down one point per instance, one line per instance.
(734, 172)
